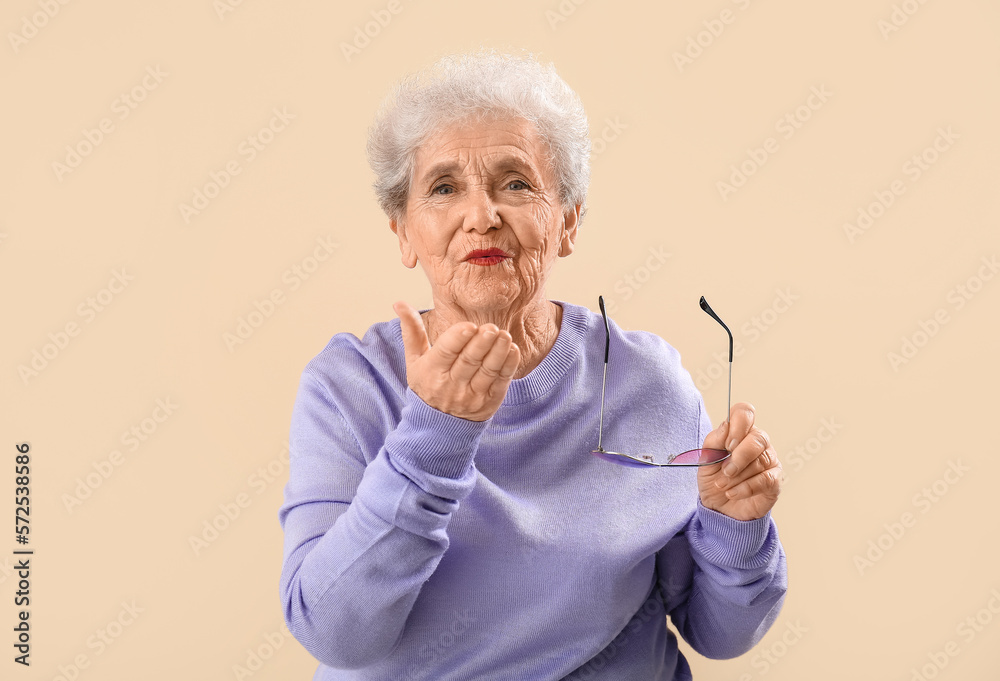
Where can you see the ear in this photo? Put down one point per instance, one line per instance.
(571, 225)
(409, 257)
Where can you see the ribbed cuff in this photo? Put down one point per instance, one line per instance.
(432, 441)
(725, 541)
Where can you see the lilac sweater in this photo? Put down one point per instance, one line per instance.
(419, 545)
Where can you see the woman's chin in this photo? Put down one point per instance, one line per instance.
(484, 298)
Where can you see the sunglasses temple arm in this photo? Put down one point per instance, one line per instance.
(729, 401)
(708, 308)
(607, 329)
(604, 380)
(600, 426)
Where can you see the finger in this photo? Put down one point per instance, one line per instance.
(717, 438)
(450, 344)
(509, 368)
(415, 341)
(766, 483)
(741, 418)
(492, 363)
(507, 371)
(470, 359)
(746, 452)
(767, 459)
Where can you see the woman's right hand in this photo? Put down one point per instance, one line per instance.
(466, 372)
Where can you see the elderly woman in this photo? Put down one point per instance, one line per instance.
(444, 518)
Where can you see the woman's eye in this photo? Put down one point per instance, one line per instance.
(516, 184)
(443, 189)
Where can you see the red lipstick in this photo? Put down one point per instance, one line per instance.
(486, 257)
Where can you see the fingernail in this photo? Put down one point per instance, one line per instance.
(730, 470)
(720, 484)
(732, 444)
(730, 494)
(488, 334)
(467, 332)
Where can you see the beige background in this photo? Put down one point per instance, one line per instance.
(669, 133)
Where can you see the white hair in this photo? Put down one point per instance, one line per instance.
(485, 85)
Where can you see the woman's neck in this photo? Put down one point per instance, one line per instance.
(534, 328)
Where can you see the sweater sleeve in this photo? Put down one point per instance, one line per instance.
(360, 540)
(723, 580)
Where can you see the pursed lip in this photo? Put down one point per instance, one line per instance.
(487, 253)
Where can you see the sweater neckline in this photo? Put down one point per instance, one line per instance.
(566, 349)
(561, 356)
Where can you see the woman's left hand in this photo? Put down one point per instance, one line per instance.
(746, 485)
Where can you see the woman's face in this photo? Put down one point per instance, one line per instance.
(485, 186)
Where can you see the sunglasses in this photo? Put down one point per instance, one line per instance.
(693, 457)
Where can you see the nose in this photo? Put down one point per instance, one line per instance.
(480, 212)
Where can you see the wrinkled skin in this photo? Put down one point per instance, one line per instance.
(747, 484)
(478, 185)
(499, 191)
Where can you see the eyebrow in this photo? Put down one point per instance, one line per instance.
(503, 163)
